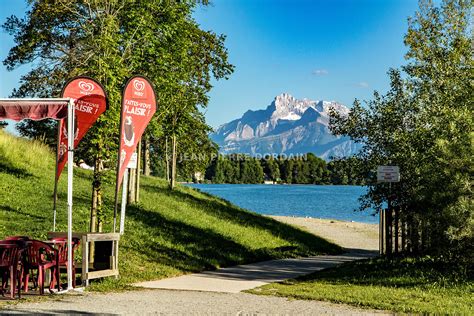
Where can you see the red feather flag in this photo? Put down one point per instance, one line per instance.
(90, 102)
(138, 107)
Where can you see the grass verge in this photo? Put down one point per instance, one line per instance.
(168, 233)
(404, 285)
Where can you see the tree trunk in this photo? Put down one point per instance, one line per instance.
(146, 157)
(138, 172)
(173, 163)
(403, 223)
(96, 204)
(167, 161)
(396, 229)
(131, 186)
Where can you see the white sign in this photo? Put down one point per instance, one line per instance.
(388, 174)
(132, 164)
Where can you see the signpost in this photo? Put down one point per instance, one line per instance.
(388, 174)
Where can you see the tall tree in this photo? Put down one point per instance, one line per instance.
(110, 40)
(424, 125)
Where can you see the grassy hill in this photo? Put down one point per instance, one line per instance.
(168, 233)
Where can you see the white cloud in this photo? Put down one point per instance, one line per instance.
(362, 84)
(320, 72)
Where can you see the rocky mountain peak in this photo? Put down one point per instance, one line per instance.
(289, 108)
(287, 125)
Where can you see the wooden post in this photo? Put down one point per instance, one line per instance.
(388, 222)
(85, 261)
(403, 224)
(381, 226)
(388, 233)
(396, 229)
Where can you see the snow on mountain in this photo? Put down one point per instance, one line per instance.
(286, 126)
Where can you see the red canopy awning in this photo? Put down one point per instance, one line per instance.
(34, 109)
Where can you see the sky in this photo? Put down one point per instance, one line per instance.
(334, 50)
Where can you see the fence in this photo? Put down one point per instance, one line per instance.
(400, 232)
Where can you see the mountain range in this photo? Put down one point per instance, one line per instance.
(287, 126)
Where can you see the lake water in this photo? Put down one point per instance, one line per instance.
(316, 201)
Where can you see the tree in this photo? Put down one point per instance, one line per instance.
(316, 169)
(271, 169)
(286, 170)
(67, 39)
(110, 41)
(424, 125)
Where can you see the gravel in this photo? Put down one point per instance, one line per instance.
(168, 302)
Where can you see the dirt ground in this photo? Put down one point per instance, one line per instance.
(350, 235)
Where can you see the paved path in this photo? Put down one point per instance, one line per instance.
(245, 277)
(360, 240)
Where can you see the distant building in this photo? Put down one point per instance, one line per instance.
(198, 177)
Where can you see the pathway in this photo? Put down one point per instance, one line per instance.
(169, 302)
(245, 277)
(360, 240)
(218, 292)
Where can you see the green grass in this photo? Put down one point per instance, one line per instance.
(168, 233)
(402, 285)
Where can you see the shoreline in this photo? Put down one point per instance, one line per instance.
(319, 218)
(349, 235)
(277, 184)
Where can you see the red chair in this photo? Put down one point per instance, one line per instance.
(42, 256)
(23, 242)
(61, 246)
(10, 255)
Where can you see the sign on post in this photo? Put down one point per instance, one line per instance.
(388, 174)
(132, 164)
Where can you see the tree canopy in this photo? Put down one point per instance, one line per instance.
(424, 125)
(111, 40)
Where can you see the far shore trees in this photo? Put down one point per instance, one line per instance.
(297, 169)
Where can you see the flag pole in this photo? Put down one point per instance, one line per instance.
(55, 193)
(70, 140)
(117, 182)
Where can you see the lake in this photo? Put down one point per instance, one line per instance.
(316, 201)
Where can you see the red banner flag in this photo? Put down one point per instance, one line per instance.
(90, 102)
(138, 107)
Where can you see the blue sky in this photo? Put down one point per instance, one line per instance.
(331, 50)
